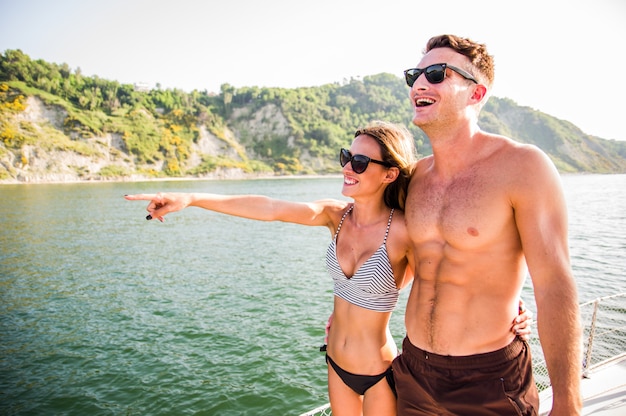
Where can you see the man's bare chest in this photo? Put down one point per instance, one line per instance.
(464, 212)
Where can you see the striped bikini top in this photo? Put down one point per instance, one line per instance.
(373, 286)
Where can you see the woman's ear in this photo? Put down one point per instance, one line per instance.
(392, 174)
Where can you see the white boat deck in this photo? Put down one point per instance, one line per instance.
(603, 390)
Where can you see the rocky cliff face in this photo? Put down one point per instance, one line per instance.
(70, 158)
(47, 162)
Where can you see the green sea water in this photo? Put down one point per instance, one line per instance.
(105, 313)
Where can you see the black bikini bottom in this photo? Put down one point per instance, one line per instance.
(360, 383)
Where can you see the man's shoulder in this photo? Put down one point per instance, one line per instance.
(512, 143)
(522, 167)
(424, 162)
(509, 148)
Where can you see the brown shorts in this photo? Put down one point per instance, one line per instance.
(497, 383)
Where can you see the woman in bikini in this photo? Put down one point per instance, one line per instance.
(368, 259)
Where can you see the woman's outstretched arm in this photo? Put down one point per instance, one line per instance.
(255, 207)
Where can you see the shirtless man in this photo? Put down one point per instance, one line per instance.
(482, 212)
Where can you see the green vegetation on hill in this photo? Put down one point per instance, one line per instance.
(115, 130)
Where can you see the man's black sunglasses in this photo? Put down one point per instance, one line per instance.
(434, 74)
(359, 162)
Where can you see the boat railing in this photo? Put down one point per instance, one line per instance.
(604, 336)
(320, 411)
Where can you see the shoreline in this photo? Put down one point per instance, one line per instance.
(239, 177)
(171, 179)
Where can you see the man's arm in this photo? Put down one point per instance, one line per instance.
(541, 218)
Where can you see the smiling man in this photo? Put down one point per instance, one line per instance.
(482, 212)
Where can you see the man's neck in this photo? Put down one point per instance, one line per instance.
(454, 149)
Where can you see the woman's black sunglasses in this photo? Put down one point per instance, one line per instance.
(359, 162)
(434, 74)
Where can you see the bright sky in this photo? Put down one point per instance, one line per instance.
(563, 57)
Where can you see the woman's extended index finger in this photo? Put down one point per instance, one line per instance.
(140, 197)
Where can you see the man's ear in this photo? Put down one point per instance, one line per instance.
(480, 92)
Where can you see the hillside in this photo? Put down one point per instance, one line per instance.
(57, 126)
